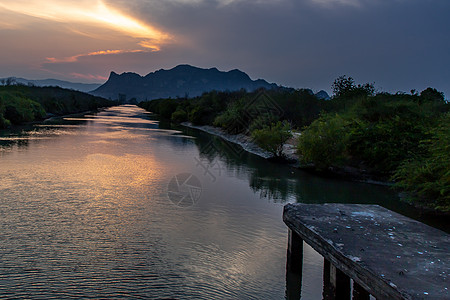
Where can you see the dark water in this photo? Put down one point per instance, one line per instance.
(92, 207)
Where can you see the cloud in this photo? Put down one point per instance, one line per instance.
(301, 43)
(97, 13)
(332, 3)
(75, 58)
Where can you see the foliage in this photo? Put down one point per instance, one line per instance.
(167, 108)
(262, 120)
(432, 95)
(381, 133)
(233, 120)
(21, 103)
(387, 130)
(427, 175)
(179, 116)
(272, 137)
(4, 123)
(16, 109)
(324, 142)
(345, 86)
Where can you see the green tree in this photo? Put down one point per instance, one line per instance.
(324, 142)
(427, 174)
(179, 116)
(345, 88)
(272, 138)
(432, 95)
(343, 85)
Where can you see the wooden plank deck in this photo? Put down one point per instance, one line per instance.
(387, 254)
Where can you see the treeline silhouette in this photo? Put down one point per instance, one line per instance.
(20, 103)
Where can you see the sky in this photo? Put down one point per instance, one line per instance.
(399, 45)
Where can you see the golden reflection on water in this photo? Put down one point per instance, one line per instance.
(98, 195)
(111, 171)
(114, 119)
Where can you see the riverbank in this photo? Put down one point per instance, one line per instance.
(289, 149)
(343, 173)
(240, 139)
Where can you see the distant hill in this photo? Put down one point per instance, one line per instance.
(181, 81)
(322, 95)
(82, 87)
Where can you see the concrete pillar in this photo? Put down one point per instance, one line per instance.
(294, 266)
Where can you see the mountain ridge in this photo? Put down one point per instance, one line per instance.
(181, 81)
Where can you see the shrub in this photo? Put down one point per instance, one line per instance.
(179, 116)
(324, 142)
(18, 109)
(272, 138)
(427, 176)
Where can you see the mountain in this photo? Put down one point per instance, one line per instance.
(82, 87)
(181, 81)
(322, 95)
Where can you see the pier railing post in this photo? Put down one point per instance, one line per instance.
(294, 266)
(295, 252)
(336, 285)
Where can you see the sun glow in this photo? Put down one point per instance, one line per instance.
(96, 13)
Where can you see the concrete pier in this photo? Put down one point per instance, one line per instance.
(385, 254)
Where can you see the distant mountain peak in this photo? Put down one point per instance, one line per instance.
(179, 81)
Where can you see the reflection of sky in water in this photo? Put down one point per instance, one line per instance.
(84, 211)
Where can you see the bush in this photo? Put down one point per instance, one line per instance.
(179, 116)
(272, 138)
(4, 123)
(18, 109)
(232, 120)
(167, 108)
(324, 142)
(427, 176)
(261, 121)
(200, 115)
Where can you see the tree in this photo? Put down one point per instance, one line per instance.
(344, 86)
(324, 142)
(432, 95)
(427, 175)
(273, 137)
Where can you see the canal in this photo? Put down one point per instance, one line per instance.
(117, 205)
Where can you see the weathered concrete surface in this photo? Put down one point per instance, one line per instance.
(389, 255)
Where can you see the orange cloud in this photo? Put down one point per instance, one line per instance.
(96, 13)
(96, 53)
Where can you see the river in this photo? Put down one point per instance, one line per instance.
(117, 205)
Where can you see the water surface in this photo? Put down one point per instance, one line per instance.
(85, 213)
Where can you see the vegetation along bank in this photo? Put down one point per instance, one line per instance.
(398, 137)
(21, 104)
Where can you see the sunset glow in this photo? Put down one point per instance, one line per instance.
(83, 12)
(306, 43)
(97, 25)
(96, 53)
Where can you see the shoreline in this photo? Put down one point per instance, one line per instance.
(346, 173)
(50, 118)
(240, 139)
